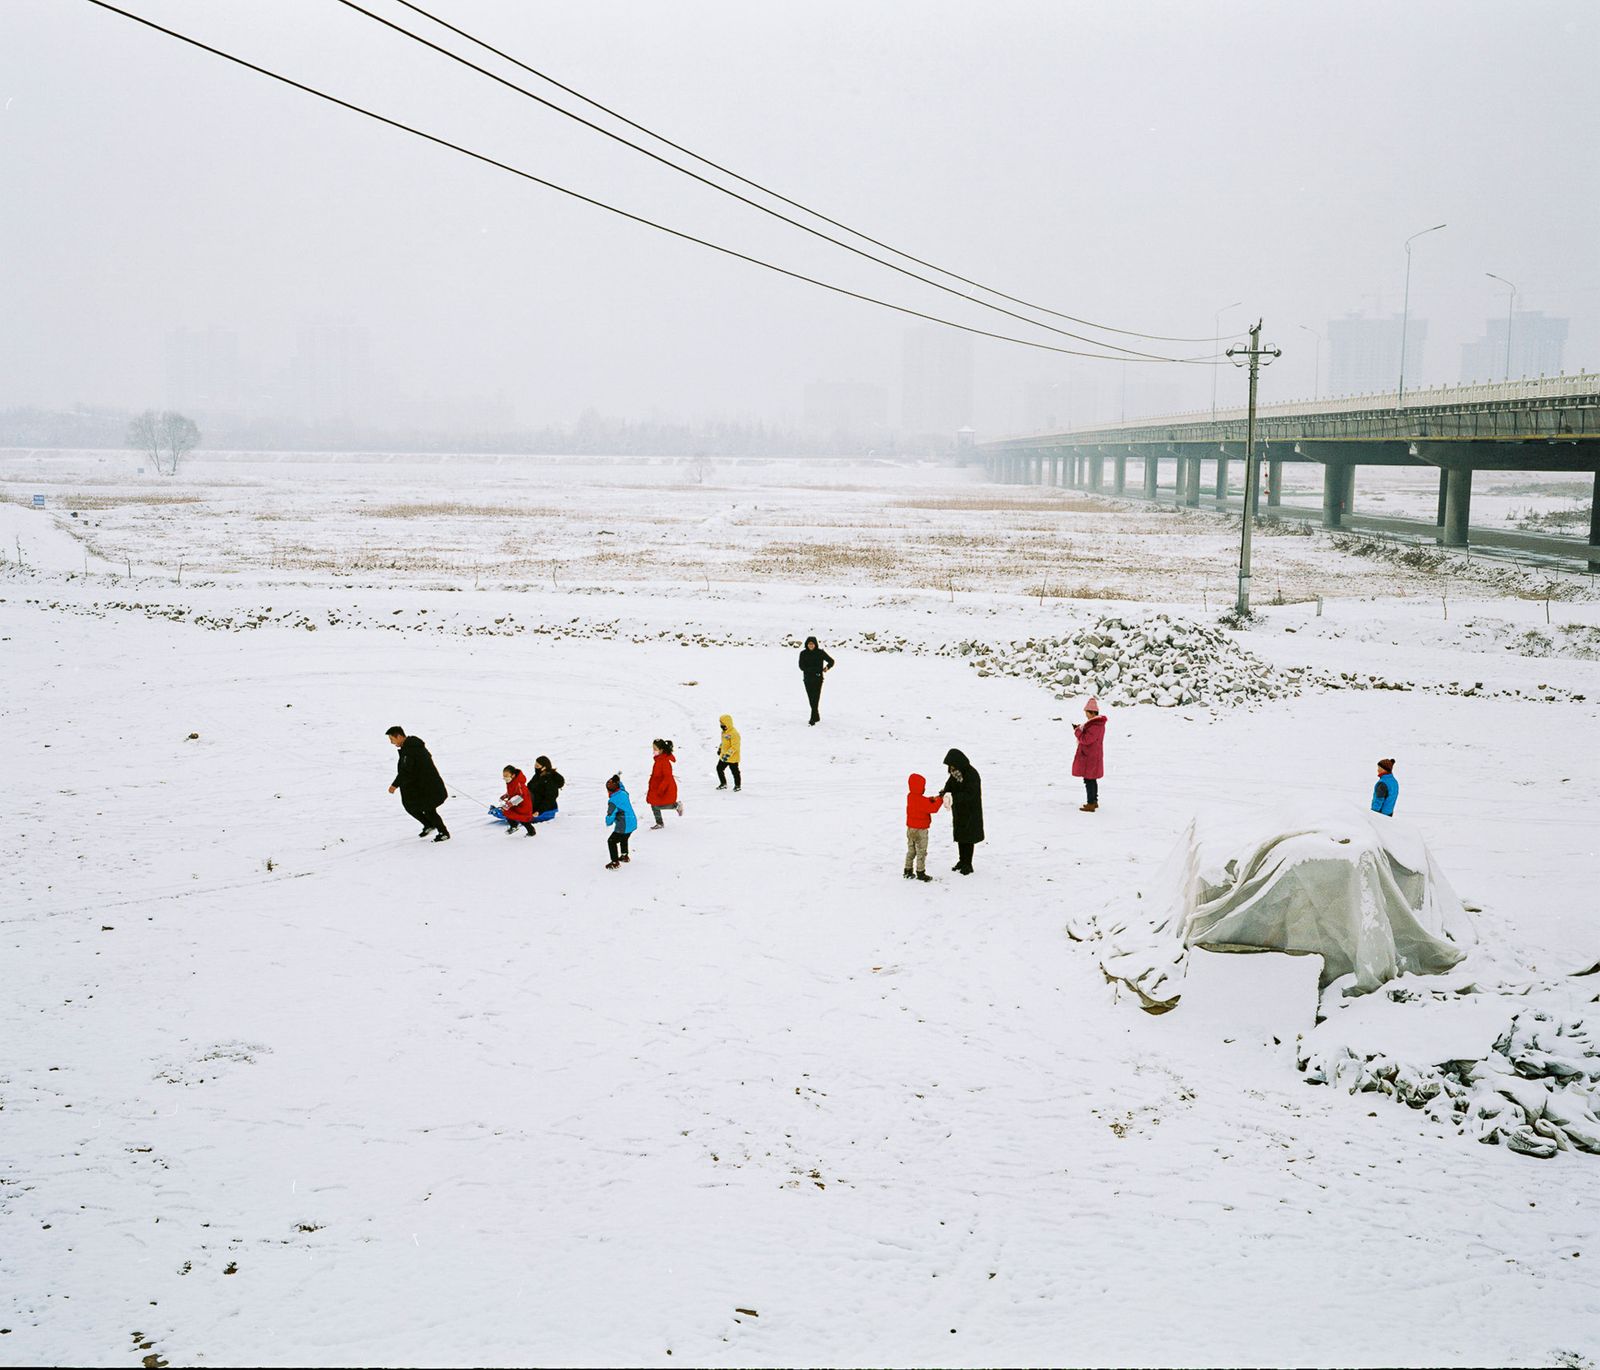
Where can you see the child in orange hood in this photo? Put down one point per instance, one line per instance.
(919, 815)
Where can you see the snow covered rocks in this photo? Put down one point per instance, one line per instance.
(1159, 660)
(1536, 1089)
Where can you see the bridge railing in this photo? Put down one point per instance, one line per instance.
(1585, 383)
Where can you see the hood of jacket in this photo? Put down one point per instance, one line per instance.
(917, 784)
(957, 759)
(726, 720)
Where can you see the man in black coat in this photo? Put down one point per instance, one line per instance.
(814, 662)
(421, 787)
(965, 788)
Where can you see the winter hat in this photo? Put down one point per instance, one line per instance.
(1386, 765)
(614, 784)
(1093, 706)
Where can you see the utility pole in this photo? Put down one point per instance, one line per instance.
(1252, 356)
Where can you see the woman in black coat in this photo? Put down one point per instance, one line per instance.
(814, 664)
(965, 788)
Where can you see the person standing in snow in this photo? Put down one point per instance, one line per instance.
(965, 788)
(662, 792)
(814, 664)
(421, 788)
(1089, 761)
(1387, 790)
(919, 815)
(543, 789)
(620, 819)
(728, 754)
(515, 805)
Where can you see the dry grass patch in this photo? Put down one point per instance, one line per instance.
(444, 509)
(70, 502)
(999, 504)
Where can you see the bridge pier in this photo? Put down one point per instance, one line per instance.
(1338, 485)
(1274, 484)
(1444, 484)
(1457, 506)
(1097, 471)
(1222, 478)
(1119, 471)
(1152, 473)
(1191, 487)
(1594, 526)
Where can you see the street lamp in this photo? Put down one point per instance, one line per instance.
(1216, 342)
(1510, 311)
(1405, 314)
(1316, 366)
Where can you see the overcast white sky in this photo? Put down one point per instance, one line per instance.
(1137, 163)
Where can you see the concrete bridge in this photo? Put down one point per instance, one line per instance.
(1543, 425)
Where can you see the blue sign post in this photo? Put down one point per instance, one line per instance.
(38, 501)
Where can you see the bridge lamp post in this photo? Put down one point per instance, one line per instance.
(1510, 312)
(1316, 366)
(1405, 314)
(1216, 342)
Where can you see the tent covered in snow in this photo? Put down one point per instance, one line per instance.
(1358, 889)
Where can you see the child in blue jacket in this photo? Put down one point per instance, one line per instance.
(1387, 790)
(620, 819)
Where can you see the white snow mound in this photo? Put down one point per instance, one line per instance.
(1359, 889)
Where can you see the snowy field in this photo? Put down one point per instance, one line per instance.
(282, 1084)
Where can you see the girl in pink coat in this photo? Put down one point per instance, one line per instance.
(1089, 762)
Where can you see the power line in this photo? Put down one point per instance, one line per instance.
(623, 213)
(767, 190)
(724, 190)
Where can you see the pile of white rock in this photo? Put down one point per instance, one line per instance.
(1158, 660)
(1537, 1091)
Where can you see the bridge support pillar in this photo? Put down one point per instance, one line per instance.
(1222, 479)
(1152, 474)
(1191, 489)
(1274, 484)
(1097, 471)
(1338, 482)
(1457, 506)
(1444, 486)
(1594, 526)
(1119, 472)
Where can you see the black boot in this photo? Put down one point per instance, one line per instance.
(441, 836)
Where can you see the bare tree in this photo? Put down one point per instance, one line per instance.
(179, 436)
(144, 435)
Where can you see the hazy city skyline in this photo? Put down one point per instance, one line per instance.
(1075, 155)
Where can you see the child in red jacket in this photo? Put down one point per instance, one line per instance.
(515, 805)
(919, 815)
(662, 791)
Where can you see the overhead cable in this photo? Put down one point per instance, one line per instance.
(629, 215)
(764, 189)
(734, 194)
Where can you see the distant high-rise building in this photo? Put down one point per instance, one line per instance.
(1538, 348)
(1364, 354)
(330, 375)
(936, 382)
(845, 408)
(203, 372)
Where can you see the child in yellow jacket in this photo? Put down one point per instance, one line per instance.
(728, 754)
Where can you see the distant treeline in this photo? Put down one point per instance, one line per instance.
(591, 435)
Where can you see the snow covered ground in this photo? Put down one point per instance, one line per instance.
(282, 1084)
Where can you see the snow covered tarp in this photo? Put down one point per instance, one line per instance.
(1358, 889)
